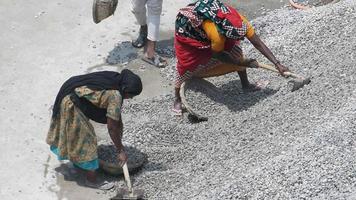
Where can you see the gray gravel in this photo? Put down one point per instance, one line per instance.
(108, 152)
(271, 144)
(313, 2)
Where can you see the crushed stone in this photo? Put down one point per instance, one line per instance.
(271, 144)
(108, 153)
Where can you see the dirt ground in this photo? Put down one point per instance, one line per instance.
(45, 42)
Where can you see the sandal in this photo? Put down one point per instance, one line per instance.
(141, 39)
(105, 185)
(156, 61)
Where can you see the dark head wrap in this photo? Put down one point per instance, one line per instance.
(130, 83)
(126, 82)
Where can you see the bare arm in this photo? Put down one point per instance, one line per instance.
(115, 129)
(260, 46)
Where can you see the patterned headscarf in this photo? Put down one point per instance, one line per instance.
(226, 18)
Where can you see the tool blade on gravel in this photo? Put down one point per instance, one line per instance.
(129, 193)
(298, 81)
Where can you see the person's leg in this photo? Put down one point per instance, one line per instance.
(91, 175)
(91, 181)
(220, 69)
(177, 105)
(213, 68)
(246, 85)
(82, 147)
(138, 8)
(90, 167)
(236, 54)
(225, 68)
(154, 10)
(180, 79)
(150, 48)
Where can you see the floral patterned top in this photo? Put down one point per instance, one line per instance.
(109, 99)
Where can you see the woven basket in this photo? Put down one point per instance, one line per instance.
(116, 170)
(102, 9)
(136, 160)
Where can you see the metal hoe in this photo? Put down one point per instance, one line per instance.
(297, 82)
(128, 193)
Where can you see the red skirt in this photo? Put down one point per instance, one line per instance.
(191, 53)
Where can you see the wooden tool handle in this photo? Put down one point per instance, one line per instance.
(271, 68)
(127, 177)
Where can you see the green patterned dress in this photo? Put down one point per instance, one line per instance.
(71, 136)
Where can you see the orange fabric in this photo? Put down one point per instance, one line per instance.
(221, 69)
(218, 40)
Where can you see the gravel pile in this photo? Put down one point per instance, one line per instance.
(271, 144)
(169, 72)
(107, 152)
(202, 100)
(314, 2)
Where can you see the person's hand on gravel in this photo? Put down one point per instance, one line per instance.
(122, 158)
(281, 68)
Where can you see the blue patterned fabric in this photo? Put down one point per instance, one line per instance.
(89, 165)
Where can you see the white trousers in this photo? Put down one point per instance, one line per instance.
(152, 19)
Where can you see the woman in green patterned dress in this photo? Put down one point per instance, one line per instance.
(97, 96)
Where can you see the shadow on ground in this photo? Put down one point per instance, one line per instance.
(124, 53)
(154, 166)
(231, 95)
(236, 100)
(165, 48)
(78, 176)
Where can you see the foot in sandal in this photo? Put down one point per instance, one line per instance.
(104, 185)
(156, 61)
(151, 57)
(92, 182)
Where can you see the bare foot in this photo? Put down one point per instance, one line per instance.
(250, 88)
(177, 108)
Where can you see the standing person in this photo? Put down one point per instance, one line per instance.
(149, 29)
(97, 96)
(207, 39)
